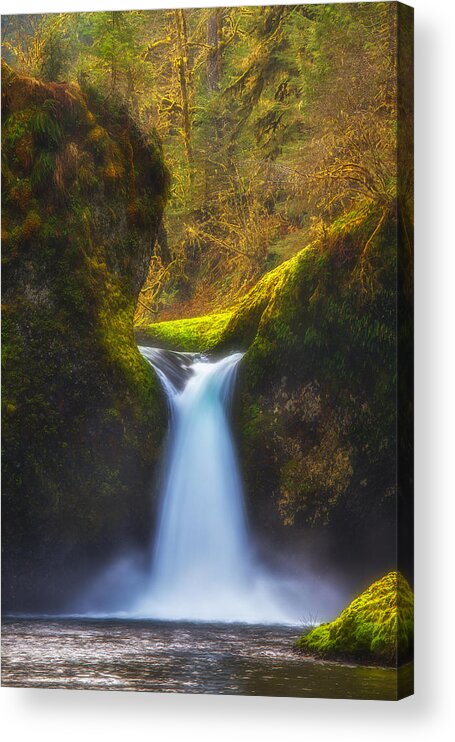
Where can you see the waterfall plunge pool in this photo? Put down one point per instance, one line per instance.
(183, 657)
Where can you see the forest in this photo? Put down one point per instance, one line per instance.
(276, 122)
(212, 179)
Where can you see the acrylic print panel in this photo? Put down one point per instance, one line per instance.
(207, 346)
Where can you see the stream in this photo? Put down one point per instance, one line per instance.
(178, 657)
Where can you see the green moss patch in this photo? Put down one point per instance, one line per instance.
(377, 626)
(194, 334)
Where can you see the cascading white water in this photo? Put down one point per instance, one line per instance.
(202, 565)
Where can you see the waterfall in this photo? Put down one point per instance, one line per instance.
(202, 566)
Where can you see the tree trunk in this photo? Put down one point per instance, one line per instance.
(184, 80)
(214, 55)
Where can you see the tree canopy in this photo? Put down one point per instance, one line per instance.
(275, 121)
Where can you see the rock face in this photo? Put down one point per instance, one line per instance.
(83, 417)
(377, 626)
(318, 402)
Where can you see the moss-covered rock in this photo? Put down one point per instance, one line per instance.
(318, 389)
(83, 195)
(378, 626)
(198, 334)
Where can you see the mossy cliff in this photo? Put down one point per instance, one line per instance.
(318, 412)
(378, 626)
(83, 417)
(318, 395)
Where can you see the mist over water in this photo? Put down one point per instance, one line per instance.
(202, 564)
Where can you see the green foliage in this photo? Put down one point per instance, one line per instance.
(43, 171)
(378, 626)
(56, 54)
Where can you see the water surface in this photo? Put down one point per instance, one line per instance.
(177, 657)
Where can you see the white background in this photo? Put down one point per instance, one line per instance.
(90, 715)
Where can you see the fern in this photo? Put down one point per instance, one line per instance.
(45, 129)
(43, 170)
